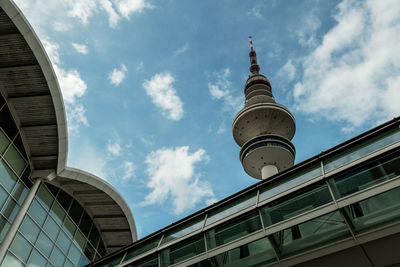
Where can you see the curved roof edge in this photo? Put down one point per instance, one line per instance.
(45, 64)
(93, 180)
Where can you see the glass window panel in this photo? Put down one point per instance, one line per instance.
(37, 212)
(184, 250)
(45, 197)
(51, 228)
(3, 196)
(44, 244)
(94, 236)
(256, 253)
(141, 248)
(69, 227)
(7, 123)
(29, 229)
(84, 262)
(70, 264)
(90, 252)
(74, 254)
(63, 241)
(290, 182)
(15, 160)
(64, 199)
(53, 189)
(10, 209)
(57, 257)
(80, 239)
(232, 208)
(363, 149)
(376, 211)
(57, 212)
(8, 178)
(311, 234)
(111, 262)
(21, 247)
(4, 142)
(151, 261)
(4, 226)
(183, 230)
(294, 204)
(367, 175)
(101, 249)
(19, 192)
(36, 259)
(11, 260)
(2, 102)
(75, 211)
(86, 224)
(19, 145)
(25, 177)
(233, 230)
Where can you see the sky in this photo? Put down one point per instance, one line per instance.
(151, 87)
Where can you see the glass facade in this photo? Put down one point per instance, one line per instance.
(269, 223)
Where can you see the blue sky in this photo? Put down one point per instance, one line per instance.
(151, 87)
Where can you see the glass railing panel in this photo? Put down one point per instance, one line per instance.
(232, 208)
(183, 230)
(294, 204)
(363, 149)
(142, 248)
(311, 234)
(114, 261)
(151, 261)
(233, 230)
(367, 175)
(184, 250)
(290, 182)
(376, 211)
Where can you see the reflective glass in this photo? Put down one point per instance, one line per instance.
(311, 234)
(90, 252)
(84, 262)
(70, 264)
(94, 236)
(25, 177)
(63, 241)
(290, 182)
(51, 228)
(44, 244)
(15, 160)
(21, 247)
(151, 261)
(184, 250)
(80, 239)
(4, 142)
(10, 209)
(64, 199)
(376, 211)
(183, 230)
(19, 145)
(360, 178)
(74, 255)
(36, 259)
(4, 226)
(232, 208)
(3, 196)
(233, 230)
(86, 224)
(29, 229)
(11, 261)
(114, 261)
(57, 212)
(75, 211)
(37, 212)
(45, 197)
(8, 178)
(19, 192)
(256, 253)
(363, 149)
(7, 123)
(296, 203)
(57, 258)
(69, 227)
(143, 247)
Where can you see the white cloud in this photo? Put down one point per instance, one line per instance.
(80, 48)
(114, 148)
(76, 117)
(222, 89)
(113, 17)
(353, 75)
(129, 170)
(164, 96)
(255, 12)
(118, 75)
(127, 7)
(72, 86)
(287, 72)
(139, 67)
(211, 201)
(172, 175)
(82, 9)
(182, 49)
(307, 29)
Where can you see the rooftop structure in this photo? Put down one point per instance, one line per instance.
(263, 128)
(49, 213)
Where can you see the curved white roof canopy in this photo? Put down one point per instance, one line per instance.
(30, 86)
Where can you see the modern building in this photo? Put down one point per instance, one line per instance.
(50, 215)
(338, 208)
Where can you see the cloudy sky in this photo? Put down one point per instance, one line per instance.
(151, 86)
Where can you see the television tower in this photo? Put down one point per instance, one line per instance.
(263, 128)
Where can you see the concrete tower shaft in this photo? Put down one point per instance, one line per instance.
(263, 128)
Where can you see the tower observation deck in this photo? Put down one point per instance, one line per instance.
(263, 128)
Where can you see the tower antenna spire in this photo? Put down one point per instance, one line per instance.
(254, 68)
